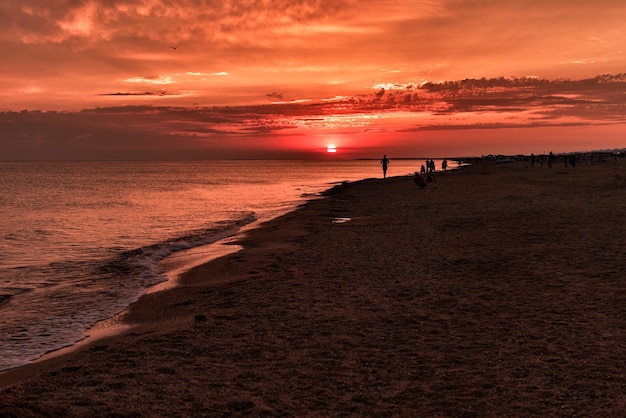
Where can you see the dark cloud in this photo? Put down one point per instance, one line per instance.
(145, 93)
(275, 95)
(591, 100)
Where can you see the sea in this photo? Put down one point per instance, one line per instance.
(81, 241)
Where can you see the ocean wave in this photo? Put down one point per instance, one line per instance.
(142, 263)
(71, 297)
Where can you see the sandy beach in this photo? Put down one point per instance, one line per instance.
(497, 290)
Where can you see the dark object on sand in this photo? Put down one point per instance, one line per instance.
(419, 180)
(200, 318)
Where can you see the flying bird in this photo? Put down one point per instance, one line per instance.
(175, 47)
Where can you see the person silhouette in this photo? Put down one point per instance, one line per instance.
(419, 180)
(385, 164)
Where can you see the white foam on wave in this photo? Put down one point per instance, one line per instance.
(90, 294)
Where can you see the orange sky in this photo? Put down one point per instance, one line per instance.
(285, 78)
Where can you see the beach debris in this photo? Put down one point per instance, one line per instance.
(341, 220)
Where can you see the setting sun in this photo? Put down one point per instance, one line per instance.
(331, 148)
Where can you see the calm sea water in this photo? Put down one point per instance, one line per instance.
(80, 241)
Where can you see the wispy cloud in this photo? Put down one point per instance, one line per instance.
(201, 74)
(155, 79)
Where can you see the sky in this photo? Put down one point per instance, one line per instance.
(205, 79)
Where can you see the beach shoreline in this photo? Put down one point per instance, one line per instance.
(494, 290)
(173, 268)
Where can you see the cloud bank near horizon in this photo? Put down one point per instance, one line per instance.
(297, 129)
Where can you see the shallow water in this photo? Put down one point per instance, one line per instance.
(80, 241)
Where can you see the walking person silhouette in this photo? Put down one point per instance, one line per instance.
(385, 164)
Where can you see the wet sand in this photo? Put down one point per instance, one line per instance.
(497, 290)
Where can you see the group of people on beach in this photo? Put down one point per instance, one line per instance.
(429, 169)
(430, 166)
(571, 159)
